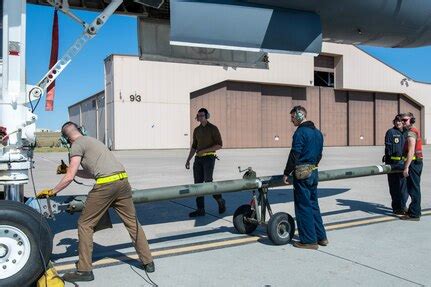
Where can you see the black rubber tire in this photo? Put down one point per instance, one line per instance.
(281, 228)
(39, 234)
(238, 219)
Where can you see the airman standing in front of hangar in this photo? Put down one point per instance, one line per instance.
(394, 150)
(206, 141)
(305, 155)
(413, 166)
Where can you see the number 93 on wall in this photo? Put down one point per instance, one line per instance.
(135, 98)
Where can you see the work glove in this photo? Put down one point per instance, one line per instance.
(45, 193)
(62, 168)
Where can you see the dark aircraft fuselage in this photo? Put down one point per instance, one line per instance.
(386, 23)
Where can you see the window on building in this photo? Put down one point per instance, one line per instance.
(323, 79)
(324, 68)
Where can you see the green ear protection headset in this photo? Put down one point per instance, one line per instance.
(64, 139)
(299, 116)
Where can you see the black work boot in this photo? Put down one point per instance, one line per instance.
(313, 246)
(221, 206)
(399, 212)
(323, 242)
(150, 267)
(78, 276)
(409, 217)
(197, 212)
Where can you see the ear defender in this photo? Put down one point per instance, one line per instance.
(64, 139)
(299, 116)
(203, 110)
(82, 131)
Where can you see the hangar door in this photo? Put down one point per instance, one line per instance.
(386, 109)
(361, 118)
(333, 114)
(252, 115)
(235, 109)
(407, 105)
(276, 130)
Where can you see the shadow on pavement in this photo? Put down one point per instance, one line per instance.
(353, 206)
(100, 250)
(173, 211)
(357, 205)
(110, 250)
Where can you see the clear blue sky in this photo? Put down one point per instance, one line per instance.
(84, 76)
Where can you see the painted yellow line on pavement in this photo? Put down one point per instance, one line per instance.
(360, 222)
(207, 246)
(226, 243)
(385, 218)
(174, 250)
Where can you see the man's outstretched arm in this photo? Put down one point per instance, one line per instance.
(69, 176)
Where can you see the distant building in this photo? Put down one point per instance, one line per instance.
(42, 130)
(350, 95)
(90, 113)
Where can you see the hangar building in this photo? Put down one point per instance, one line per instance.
(350, 95)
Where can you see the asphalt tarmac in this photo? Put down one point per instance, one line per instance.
(368, 245)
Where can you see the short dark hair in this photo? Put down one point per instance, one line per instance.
(300, 109)
(66, 124)
(203, 110)
(397, 119)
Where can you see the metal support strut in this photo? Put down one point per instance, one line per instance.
(90, 30)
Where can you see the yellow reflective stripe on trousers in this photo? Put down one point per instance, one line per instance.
(111, 178)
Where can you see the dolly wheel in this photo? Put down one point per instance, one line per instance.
(281, 228)
(242, 212)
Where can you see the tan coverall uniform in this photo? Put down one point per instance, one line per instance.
(98, 161)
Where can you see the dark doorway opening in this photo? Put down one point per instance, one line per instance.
(323, 79)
